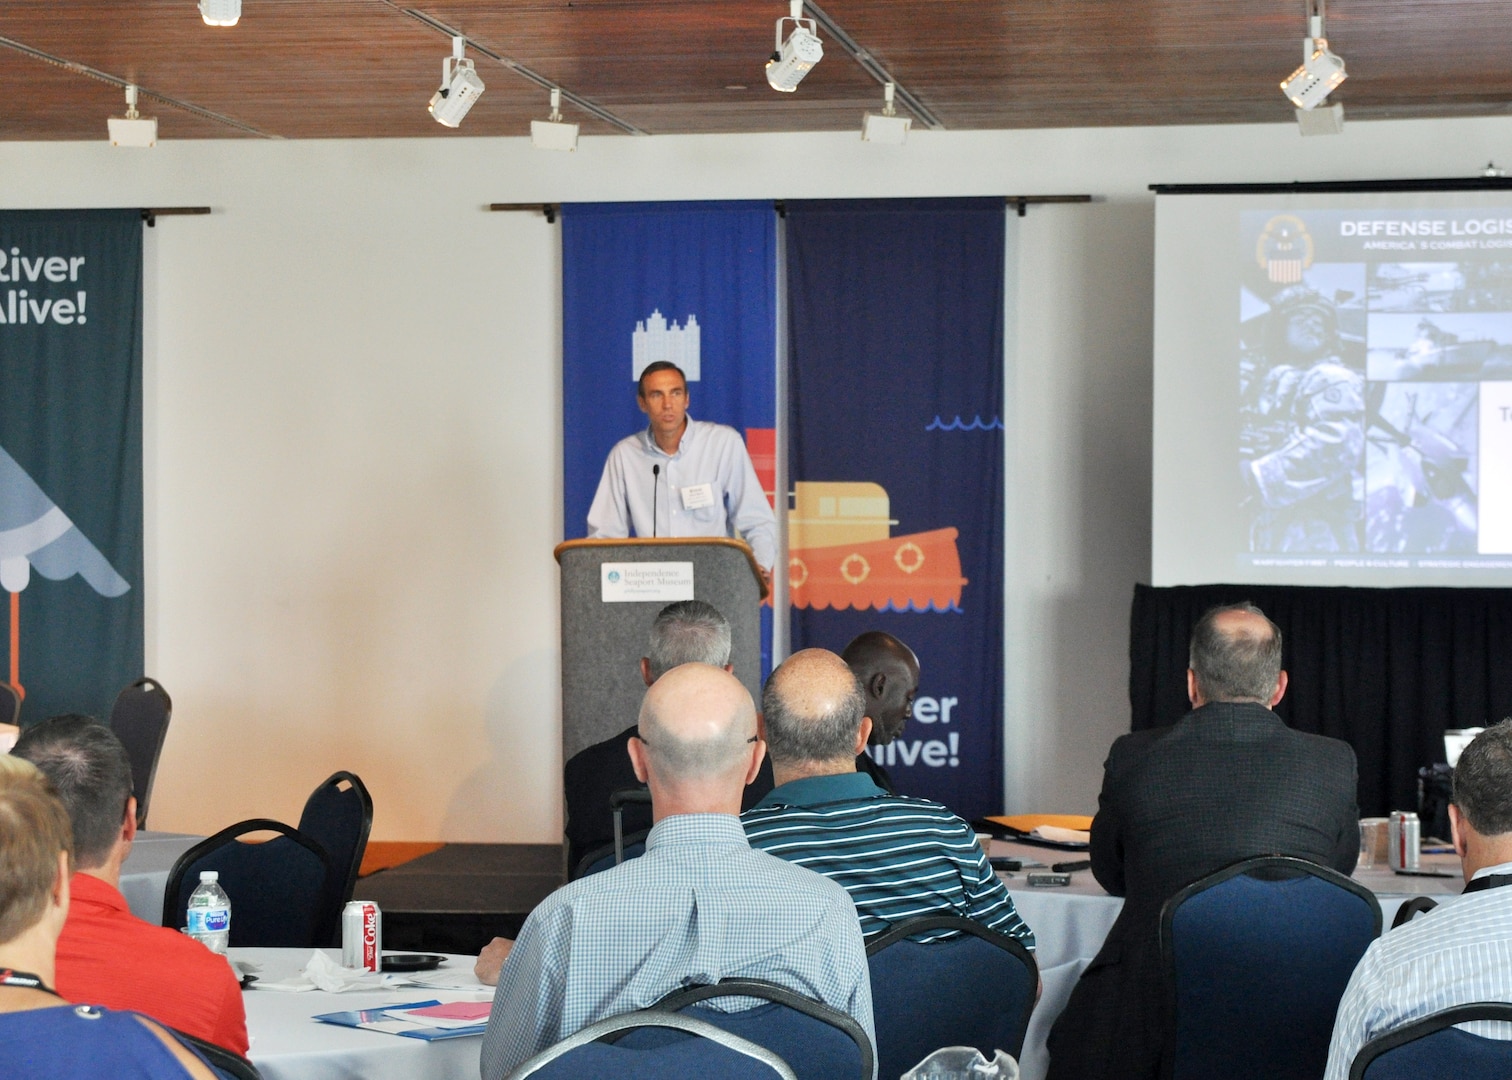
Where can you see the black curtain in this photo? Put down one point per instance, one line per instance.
(1386, 670)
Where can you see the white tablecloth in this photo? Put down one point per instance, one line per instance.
(288, 1045)
(1070, 924)
(144, 875)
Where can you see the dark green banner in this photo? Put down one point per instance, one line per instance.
(71, 605)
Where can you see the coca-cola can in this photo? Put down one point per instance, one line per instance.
(1405, 835)
(361, 936)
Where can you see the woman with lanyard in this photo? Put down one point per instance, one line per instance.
(41, 1035)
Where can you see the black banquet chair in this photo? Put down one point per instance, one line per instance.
(226, 1063)
(819, 1042)
(1257, 956)
(279, 889)
(338, 816)
(10, 704)
(1411, 908)
(1434, 1049)
(698, 1049)
(139, 719)
(973, 989)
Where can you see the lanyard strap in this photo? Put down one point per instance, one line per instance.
(1490, 881)
(25, 980)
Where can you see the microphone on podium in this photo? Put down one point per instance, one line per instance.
(655, 480)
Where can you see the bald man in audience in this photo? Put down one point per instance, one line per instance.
(1461, 951)
(107, 955)
(899, 858)
(1226, 781)
(699, 906)
(888, 672)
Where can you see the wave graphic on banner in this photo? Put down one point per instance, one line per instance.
(956, 425)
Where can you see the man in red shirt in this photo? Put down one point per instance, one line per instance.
(106, 955)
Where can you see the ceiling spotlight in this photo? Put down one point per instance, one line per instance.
(220, 12)
(1321, 71)
(553, 133)
(133, 129)
(460, 86)
(793, 58)
(1325, 120)
(886, 126)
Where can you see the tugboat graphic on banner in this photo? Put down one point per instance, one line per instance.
(842, 554)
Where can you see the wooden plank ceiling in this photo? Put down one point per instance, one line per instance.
(366, 68)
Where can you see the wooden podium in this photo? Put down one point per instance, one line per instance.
(606, 626)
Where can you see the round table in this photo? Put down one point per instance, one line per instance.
(287, 1044)
(144, 874)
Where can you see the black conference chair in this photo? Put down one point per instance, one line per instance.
(279, 889)
(697, 1049)
(226, 1063)
(10, 704)
(1434, 1049)
(819, 1042)
(1411, 908)
(604, 857)
(338, 816)
(1256, 957)
(973, 989)
(139, 719)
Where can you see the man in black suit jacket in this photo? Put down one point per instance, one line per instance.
(1227, 781)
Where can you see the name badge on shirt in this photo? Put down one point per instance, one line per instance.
(698, 496)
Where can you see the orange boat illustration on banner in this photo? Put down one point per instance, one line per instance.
(842, 554)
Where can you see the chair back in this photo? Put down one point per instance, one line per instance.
(279, 889)
(338, 816)
(701, 1050)
(604, 857)
(975, 988)
(821, 1043)
(139, 719)
(10, 704)
(1411, 908)
(1434, 1049)
(1256, 957)
(226, 1063)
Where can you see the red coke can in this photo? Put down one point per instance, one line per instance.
(362, 936)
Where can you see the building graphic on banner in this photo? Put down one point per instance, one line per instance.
(35, 533)
(654, 342)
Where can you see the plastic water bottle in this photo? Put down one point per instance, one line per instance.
(210, 913)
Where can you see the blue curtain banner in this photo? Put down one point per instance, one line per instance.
(895, 362)
(694, 283)
(71, 457)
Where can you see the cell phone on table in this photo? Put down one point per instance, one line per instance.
(1003, 862)
(1048, 878)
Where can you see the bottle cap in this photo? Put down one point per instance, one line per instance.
(210, 875)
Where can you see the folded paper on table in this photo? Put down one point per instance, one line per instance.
(1061, 836)
(391, 1020)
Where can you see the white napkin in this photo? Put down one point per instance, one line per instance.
(1062, 836)
(323, 973)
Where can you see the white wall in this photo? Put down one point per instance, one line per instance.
(352, 435)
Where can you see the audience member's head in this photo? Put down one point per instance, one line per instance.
(91, 773)
(815, 716)
(697, 744)
(1235, 656)
(888, 672)
(687, 632)
(35, 846)
(1481, 810)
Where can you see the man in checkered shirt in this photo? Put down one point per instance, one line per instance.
(699, 906)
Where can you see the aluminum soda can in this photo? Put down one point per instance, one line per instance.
(1404, 834)
(361, 936)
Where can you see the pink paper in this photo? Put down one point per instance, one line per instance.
(456, 1010)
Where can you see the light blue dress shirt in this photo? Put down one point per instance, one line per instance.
(1459, 952)
(631, 497)
(699, 906)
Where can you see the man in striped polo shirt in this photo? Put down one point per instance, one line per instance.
(898, 857)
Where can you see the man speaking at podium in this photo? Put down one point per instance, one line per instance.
(681, 477)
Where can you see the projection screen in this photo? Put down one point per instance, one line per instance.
(1333, 388)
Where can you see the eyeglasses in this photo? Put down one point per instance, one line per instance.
(754, 738)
